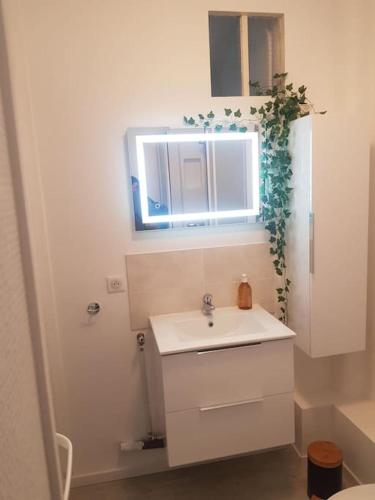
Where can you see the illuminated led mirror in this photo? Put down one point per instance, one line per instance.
(194, 179)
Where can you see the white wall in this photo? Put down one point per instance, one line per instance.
(354, 374)
(91, 70)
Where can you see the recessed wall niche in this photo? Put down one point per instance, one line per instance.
(244, 48)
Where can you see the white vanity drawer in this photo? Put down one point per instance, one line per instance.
(207, 433)
(199, 379)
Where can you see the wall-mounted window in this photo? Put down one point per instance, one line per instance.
(244, 48)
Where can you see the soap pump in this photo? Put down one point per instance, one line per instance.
(244, 294)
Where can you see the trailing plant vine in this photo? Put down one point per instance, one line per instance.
(285, 104)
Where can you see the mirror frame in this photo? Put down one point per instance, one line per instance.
(141, 140)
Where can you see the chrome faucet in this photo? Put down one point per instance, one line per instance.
(207, 305)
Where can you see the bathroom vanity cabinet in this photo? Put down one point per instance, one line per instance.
(227, 400)
(328, 235)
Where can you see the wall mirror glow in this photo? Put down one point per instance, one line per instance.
(193, 178)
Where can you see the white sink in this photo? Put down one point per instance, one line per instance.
(190, 331)
(223, 323)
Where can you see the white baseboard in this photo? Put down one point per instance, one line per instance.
(139, 463)
(354, 476)
(139, 466)
(99, 477)
(297, 451)
(124, 473)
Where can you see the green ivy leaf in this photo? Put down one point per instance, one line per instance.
(191, 121)
(232, 127)
(218, 128)
(243, 129)
(227, 111)
(211, 115)
(201, 117)
(238, 113)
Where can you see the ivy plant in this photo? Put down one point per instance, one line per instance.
(284, 103)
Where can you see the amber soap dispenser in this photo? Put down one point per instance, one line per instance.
(245, 298)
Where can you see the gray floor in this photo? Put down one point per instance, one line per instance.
(275, 475)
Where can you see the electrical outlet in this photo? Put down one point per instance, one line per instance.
(116, 283)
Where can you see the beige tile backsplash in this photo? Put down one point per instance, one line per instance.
(225, 264)
(156, 271)
(167, 282)
(162, 301)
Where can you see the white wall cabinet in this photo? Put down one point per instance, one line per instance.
(328, 234)
(227, 401)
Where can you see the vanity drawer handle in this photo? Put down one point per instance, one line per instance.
(229, 405)
(218, 349)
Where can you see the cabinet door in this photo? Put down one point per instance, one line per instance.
(197, 379)
(327, 254)
(298, 235)
(340, 186)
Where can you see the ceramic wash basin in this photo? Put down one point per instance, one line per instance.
(223, 323)
(227, 326)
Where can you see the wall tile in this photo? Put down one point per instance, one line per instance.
(163, 301)
(166, 282)
(225, 293)
(228, 263)
(182, 269)
(264, 294)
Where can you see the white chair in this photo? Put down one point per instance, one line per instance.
(65, 443)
